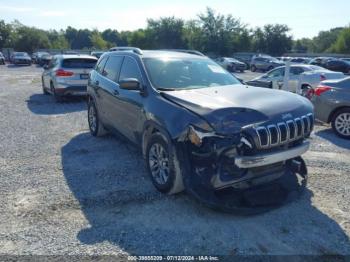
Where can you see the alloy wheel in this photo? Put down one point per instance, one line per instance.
(342, 124)
(159, 163)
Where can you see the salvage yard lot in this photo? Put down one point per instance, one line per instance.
(66, 192)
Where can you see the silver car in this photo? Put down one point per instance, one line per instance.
(67, 75)
(331, 100)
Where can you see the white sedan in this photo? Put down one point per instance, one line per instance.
(301, 77)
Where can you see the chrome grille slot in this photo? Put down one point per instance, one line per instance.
(306, 123)
(283, 129)
(284, 132)
(299, 126)
(263, 135)
(274, 135)
(291, 126)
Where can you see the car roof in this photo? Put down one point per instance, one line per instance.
(75, 56)
(159, 54)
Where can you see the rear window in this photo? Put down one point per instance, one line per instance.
(79, 63)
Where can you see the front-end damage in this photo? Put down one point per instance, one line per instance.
(229, 173)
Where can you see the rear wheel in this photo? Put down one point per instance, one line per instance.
(253, 68)
(95, 125)
(163, 165)
(43, 86)
(57, 97)
(341, 123)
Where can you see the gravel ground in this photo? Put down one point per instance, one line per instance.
(66, 192)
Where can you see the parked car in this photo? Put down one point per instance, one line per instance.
(21, 58)
(346, 59)
(301, 78)
(299, 60)
(97, 54)
(231, 64)
(319, 61)
(264, 63)
(41, 58)
(2, 59)
(332, 105)
(67, 75)
(198, 127)
(245, 57)
(338, 65)
(44, 59)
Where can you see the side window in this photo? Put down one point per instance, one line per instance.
(130, 69)
(276, 73)
(52, 63)
(112, 68)
(296, 70)
(99, 67)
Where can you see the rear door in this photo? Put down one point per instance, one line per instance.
(109, 89)
(80, 67)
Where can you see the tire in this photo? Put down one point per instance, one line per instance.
(341, 123)
(43, 86)
(57, 97)
(162, 154)
(253, 68)
(95, 126)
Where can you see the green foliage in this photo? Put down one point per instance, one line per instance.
(5, 31)
(97, 41)
(342, 44)
(272, 39)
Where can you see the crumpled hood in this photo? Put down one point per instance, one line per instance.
(228, 108)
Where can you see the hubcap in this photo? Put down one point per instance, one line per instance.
(159, 163)
(342, 124)
(92, 118)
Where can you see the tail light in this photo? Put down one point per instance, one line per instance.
(61, 72)
(321, 89)
(322, 77)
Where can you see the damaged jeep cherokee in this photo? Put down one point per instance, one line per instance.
(234, 147)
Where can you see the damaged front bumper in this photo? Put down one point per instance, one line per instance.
(224, 179)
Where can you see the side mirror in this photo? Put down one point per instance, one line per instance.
(130, 84)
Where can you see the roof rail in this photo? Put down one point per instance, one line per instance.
(193, 52)
(126, 48)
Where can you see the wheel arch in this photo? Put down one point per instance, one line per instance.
(334, 112)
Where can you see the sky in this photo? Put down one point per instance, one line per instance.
(305, 17)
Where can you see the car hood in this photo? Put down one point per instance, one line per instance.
(229, 108)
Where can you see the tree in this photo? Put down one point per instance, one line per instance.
(272, 39)
(5, 31)
(325, 39)
(97, 41)
(342, 44)
(220, 32)
(166, 32)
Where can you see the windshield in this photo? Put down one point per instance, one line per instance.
(176, 73)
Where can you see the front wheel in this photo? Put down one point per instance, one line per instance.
(163, 165)
(341, 123)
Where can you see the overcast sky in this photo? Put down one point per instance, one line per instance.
(305, 17)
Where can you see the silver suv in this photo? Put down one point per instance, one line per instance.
(264, 63)
(67, 75)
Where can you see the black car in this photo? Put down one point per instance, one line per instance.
(338, 65)
(231, 146)
(231, 64)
